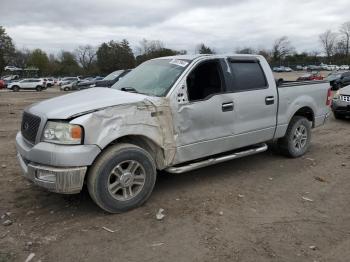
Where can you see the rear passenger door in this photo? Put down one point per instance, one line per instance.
(254, 100)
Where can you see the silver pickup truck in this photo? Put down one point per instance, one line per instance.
(174, 113)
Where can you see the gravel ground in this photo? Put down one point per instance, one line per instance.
(259, 208)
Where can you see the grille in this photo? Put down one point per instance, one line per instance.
(30, 126)
(345, 98)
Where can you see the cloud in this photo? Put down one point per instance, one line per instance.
(223, 25)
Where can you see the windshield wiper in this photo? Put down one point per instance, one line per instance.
(129, 89)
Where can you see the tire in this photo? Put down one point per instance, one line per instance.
(110, 186)
(38, 88)
(66, 89)
(15, 88)
(293, 146)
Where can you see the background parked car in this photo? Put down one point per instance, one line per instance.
(344, 67)
(299, 68)
(310, 77)
(111, 79)
(67, 80)
(313, 68)
(87, 82)
(341, 103)
(332, 67)
(2, 84)
(37, 84)
(343, 79)
(282, 69)
(50, 82)
(73, 85)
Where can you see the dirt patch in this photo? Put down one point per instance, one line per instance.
(259, 208)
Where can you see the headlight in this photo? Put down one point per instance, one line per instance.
(62, 133)
(336, 95)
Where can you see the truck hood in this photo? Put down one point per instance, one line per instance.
(345, 90)
(66, 106)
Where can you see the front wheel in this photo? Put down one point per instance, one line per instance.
(297, 139)
(122, 178)
(38, 88)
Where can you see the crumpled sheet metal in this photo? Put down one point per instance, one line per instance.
(149, 118)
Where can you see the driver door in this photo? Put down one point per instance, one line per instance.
(204, 115)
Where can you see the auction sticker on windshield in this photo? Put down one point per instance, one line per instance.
(179, 62)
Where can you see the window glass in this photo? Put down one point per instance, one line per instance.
(154, 77)
(204, 81)
(247, 76)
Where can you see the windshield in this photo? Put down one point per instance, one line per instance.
(334, 76)
(153, 77)
(113, 75)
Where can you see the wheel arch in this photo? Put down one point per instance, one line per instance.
(146, 143)
(306, 112)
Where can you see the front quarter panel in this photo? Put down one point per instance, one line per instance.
(150, 119)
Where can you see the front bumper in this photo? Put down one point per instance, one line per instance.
(58, 180)
(58, 168)
(341, 107)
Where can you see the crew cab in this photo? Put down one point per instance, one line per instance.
(175, 114)
(37, 84)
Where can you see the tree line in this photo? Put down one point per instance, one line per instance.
(115, 55)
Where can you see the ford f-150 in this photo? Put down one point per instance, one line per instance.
(173, 113)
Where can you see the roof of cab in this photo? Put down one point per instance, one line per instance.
(195, 56)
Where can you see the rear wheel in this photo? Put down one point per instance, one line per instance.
(38, 88)
(297, 139)
(122, 178)
(15, 88)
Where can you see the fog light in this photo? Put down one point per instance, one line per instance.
(45, 175)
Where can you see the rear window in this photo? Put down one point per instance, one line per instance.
(247, 75)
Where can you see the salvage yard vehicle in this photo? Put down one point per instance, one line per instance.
(67, 80)
(70, 86)
(175, 114)
(37, 84)
(340, 80)
(280, 69)
(341, 103)
(111, 79)
(310, 77)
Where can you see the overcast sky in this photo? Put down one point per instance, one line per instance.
(180, 24)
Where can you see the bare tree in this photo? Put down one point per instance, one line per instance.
(86, 55)
(149, 46)
(328, 40)
(282, 48)
(345, 32)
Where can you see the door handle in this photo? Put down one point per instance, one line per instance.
(227, 106)
(269, 100)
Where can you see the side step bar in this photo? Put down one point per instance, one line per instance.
(212, 161)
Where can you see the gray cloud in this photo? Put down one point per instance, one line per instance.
(224, 25)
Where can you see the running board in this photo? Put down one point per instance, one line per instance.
(212, 161)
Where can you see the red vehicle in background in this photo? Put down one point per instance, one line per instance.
(311, 76)
(2, 84)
